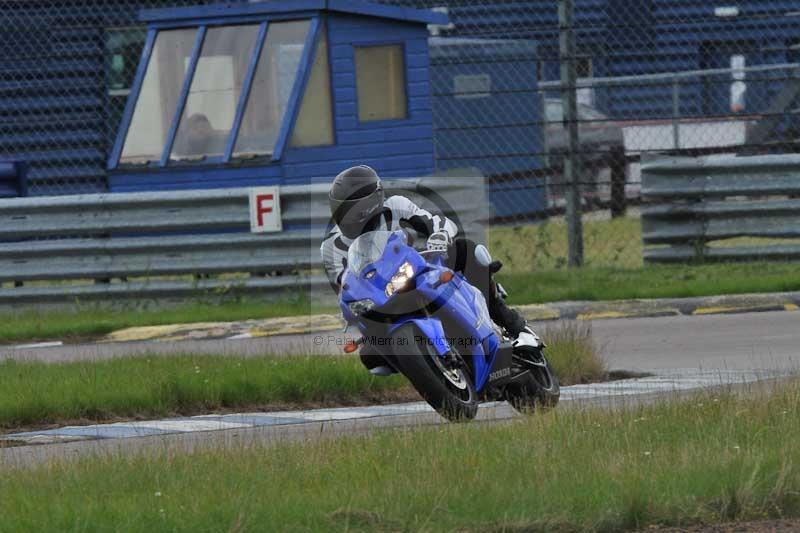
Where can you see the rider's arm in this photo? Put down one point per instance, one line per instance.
(334, 259)
(420, 219)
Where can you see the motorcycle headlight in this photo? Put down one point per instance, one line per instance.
(400, 279)
(360, 307)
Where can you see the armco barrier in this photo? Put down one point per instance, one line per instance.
(692, 202)
(173, 244)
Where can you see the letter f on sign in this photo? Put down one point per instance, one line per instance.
(263, 205)
(265, 210)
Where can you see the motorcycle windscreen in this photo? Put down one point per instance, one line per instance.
(367, 249)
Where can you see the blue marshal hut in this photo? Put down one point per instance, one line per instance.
(278, 92)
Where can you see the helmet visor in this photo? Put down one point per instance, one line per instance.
(353, 216)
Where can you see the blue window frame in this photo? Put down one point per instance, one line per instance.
(190, 71)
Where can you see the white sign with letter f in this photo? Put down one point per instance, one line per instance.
(265, 210)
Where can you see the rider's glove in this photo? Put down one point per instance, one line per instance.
(438, 242)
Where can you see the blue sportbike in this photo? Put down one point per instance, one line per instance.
(432, 326)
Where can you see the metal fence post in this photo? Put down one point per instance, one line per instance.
(619, 203)
(676, 111)
(566, 11)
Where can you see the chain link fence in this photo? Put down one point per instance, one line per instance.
(66, 69)
(651, 76)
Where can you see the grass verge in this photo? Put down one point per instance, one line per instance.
(541, 286)
(535, 272)
(711, 459)
(614, 268)
(663, 281)
(90, 322)
(38, 394)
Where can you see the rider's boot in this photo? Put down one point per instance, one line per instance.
(375, 363)
(509, 319)
(382, 371)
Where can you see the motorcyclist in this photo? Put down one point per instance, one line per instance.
(358, 205)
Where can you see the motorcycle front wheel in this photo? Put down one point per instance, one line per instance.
(537, 386)
(447, 388)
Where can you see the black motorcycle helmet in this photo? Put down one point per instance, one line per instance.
(356, 198)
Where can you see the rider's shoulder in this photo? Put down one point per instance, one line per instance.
(335, 240)
(398, 202)
(332, 234)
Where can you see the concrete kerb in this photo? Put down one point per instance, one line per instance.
(745, 303)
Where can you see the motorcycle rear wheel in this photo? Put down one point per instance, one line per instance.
(538, 389)
(448, 390)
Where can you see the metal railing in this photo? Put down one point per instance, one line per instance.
(675, 80)
(184, 243)
(697, 205)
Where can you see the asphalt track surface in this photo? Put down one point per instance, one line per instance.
(753, 342)
(767, 340)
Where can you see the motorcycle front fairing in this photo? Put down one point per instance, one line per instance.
(368, 273)
(466, 305)
(376, 262)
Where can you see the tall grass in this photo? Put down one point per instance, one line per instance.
(615, 243)
(711, 459)
(573, 353)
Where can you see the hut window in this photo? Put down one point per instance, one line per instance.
(274, 78)
(314, 126)
(380, 82)
(214, 93)
(155, 107)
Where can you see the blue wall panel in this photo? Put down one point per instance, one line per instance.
(53, 104)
